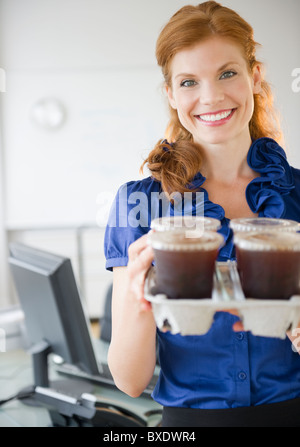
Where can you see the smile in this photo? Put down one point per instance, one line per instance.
(218, 117)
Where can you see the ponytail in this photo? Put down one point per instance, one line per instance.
(174, 164)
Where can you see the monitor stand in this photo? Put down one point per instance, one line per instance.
(73, 387)
(39, 354)
(71, 403)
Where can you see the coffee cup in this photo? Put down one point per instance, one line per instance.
(185, 262)
(268, 264)
(263, 224)
(186, 223)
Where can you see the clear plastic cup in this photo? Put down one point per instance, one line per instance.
(268, 264)
(190, 223)
(185, 264)
(263, 224)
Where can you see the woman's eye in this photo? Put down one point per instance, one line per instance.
(187, 83)
(227, 74)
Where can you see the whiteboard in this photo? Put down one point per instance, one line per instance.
(55, 177)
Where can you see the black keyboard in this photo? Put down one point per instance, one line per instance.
(107, 375)
(104, 378)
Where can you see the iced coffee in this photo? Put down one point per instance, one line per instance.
(263, 224)
(190, 223)
(185, 263)
(269, 264)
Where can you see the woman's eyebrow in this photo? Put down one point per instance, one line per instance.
(185, 75)
(227, 64)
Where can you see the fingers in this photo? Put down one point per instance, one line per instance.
(140, 256)
(138, 246)
(232, 311)
(238, 327)
(140, 260)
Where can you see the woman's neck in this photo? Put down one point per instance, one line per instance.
(227, 162)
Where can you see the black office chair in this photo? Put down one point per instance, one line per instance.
(105, 321)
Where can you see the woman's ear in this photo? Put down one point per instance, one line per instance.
(170, 96)
(257, 79)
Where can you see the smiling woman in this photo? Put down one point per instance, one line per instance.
(222, 140)
(217, 92)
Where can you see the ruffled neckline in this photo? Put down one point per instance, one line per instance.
(265, 193)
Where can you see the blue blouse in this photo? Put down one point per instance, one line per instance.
(222, 368)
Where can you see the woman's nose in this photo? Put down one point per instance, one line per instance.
(211, 93)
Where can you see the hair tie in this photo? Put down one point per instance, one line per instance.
(165, 148)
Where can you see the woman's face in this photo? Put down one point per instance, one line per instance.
(212, 91)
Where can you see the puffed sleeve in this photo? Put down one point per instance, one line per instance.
(128, 220)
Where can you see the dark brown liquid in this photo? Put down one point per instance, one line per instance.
(269, 274)
(185, 274)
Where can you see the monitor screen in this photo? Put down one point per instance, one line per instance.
(49, 297)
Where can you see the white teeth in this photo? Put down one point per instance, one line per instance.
(215, 117)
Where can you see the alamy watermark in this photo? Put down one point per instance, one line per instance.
(139, 209)
(296, 81)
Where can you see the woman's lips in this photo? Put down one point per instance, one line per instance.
(216, 118)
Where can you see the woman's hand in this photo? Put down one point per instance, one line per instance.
(238, 325)
(140, 260)
(294, 336)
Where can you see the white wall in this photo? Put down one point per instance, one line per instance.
(97, 58)
(276, 28)
(4, 290)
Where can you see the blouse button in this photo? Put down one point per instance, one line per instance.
(240, 336)
(242, 375)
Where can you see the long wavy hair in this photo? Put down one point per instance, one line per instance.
(175, 160)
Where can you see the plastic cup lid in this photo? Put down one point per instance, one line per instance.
(179, 223)
(264, 224)
(185, 241)
(268, 241)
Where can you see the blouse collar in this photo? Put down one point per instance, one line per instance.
(265, 193)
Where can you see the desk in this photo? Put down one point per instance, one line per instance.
(16, 373)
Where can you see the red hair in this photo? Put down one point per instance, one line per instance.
(176, 164)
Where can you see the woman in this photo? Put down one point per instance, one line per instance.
(222, 139)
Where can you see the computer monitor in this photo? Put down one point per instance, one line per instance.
(54, 314)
